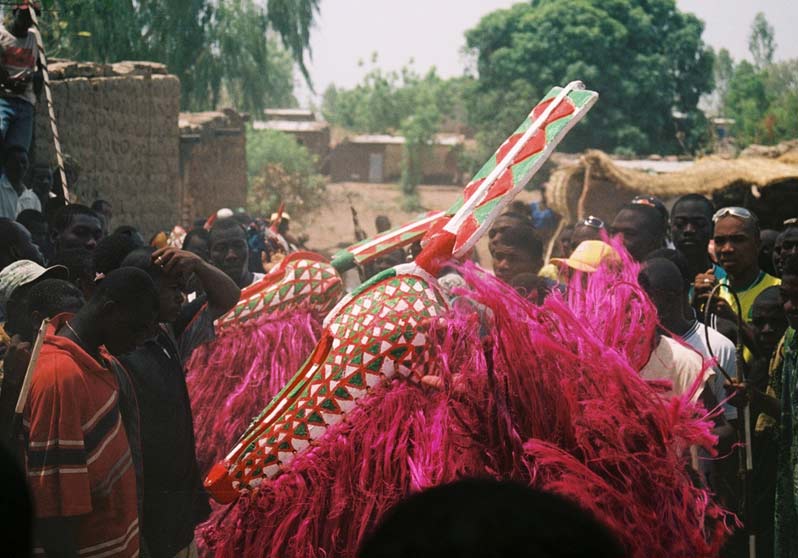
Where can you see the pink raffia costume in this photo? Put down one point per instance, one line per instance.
(261, 342)
(544, 396)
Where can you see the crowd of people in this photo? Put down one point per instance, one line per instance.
(106, 436)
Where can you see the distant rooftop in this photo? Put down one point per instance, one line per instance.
(387, 139)
(290, 125)
(293, 114)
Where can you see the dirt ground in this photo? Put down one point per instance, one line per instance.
(331, 227)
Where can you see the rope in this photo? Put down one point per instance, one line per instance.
(48, 93)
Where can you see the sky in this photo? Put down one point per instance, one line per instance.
(431, 33)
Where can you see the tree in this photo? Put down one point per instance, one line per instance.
(383, 101)
(645, 57)
(281, 171)
(218, 49)
(761, 41)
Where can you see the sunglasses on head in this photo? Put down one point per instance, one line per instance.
(593, 222)
(739, 212)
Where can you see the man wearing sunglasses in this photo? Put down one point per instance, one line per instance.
(736, 240)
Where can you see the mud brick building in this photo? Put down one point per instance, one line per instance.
(213, 163)
(119, 123)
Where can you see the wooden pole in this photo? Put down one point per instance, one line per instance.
(48, 93)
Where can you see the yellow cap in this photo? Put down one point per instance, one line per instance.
(588, 256)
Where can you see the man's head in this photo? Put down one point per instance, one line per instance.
(170, 287)
(124, 310)
(382, 223)
(484, 518)
(768, 319)
(589, 228)
(80, 263)
(16, 244)
(104, 208)
(36, 225)
(678, 259)
(16, 281)
(514, 247)
(75, 225)
(642, 229)
(133, 233)
(767, 243)
(16, 165)
(51, 297)
(786, 245)
(196, 242)
(227, 244)
(691, 225)
(789, 290)
(664, 285)
(22, 19)
(736, 240)
(112, 250)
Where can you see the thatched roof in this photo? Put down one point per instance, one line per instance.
(610, 186)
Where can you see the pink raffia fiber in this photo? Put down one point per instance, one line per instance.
(542, 395)
(230, 378)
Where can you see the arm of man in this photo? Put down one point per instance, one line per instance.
(222, 291)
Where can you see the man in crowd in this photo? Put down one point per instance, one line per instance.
(736, 238)
(36, 225)
(778, 404)
(669, 359)
(642, 229)
(75, 225)
(589, 228)
(691, 230)
(174, 501)
(15, 197)
(786, 244)
(19, 77)
(47, 299)
(227, 245)
(16, 281)
(16, 244)
(769, 323)
(514, 247)
(79, 463)
(767, 243)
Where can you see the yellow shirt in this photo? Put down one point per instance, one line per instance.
(749, 294)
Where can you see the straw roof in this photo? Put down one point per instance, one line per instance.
(610, 186)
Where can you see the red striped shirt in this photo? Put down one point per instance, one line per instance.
(78, 456)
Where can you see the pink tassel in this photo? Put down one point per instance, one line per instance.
(550, 397)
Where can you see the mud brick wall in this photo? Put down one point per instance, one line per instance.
(213, 163)
(120, 124)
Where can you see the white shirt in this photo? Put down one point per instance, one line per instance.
(680, 365)
(726, 355)
(8, 199)
(28, 200)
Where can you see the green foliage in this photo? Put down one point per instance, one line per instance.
(645, 57)
(226, 49)
(281, 170)
(383, 101)
(762, 97)
(761, 42)
(763, 103)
